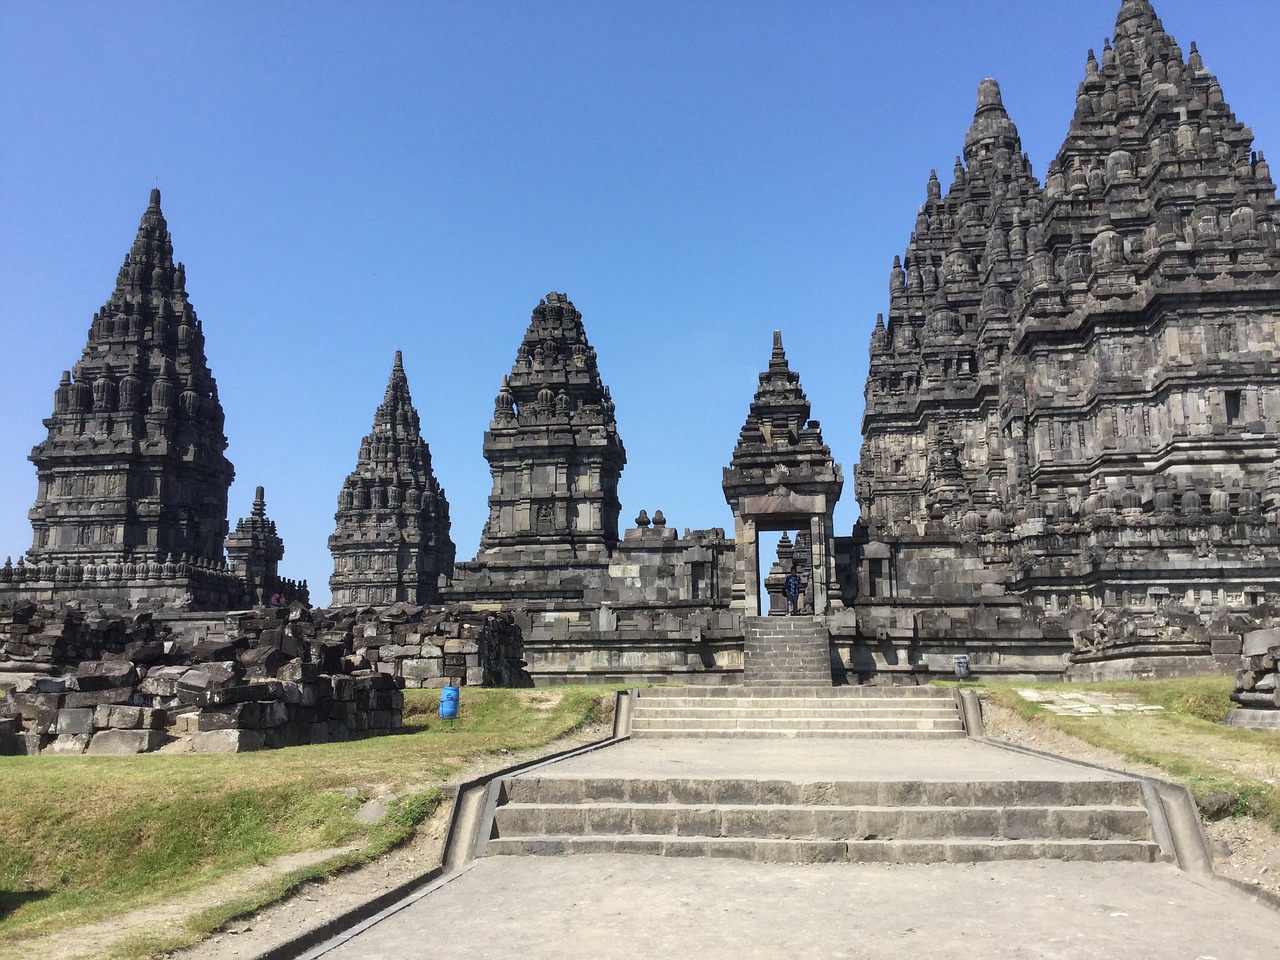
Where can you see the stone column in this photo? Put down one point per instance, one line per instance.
(747, 563)
(820, 559)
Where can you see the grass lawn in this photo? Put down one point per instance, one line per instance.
(85, 838)
(1227, 769)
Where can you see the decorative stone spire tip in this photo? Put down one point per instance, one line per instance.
(989, 95)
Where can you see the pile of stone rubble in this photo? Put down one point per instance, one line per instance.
(90, 681)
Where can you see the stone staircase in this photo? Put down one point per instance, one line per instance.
(899, 821)
(767, 712)
(786, 650)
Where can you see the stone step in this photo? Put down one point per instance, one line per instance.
(949, 850)
(797, 706)
(808, 711)
(795, 724)
(739, 718)
(850, 793)
(797, 690)
(734, 733)
(777, 822)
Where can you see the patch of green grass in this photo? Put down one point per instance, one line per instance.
(83, 838)
(1229, 770)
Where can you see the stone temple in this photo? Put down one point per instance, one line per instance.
(1068, 466)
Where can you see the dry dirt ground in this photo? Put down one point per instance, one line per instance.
(1244, 849)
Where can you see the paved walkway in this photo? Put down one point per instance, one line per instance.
(615, 906)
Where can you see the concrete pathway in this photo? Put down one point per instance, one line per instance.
(615, 906)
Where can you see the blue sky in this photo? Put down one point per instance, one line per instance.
(346, 180)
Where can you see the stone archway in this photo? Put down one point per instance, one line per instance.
(782, 477)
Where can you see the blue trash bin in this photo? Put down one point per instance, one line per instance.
(449, 703)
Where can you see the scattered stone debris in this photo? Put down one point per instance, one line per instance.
(93, 681)
(1070, 703)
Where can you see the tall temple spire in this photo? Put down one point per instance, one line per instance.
(392, 539)
(949, 323)
(143, 400)
(553, 446)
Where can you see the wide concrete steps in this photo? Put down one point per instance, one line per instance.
(853, 712)
(856, 821)
(950, 850)
(784, 822)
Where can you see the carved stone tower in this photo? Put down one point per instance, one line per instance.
(254, 551)
(132, 473)
(1081, 446)
(553, 448)
(392, 539)
(933, 443)
(1143, 348)
(782, 477)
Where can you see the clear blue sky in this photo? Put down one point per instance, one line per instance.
(348, 179)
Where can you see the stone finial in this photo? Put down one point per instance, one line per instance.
(155, 199)
(259, 503)
(778, 359)
(642, 520)
(989, 96)
(659, 521)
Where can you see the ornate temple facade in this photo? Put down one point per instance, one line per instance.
(1070, 436)
(554, 453)
(392, 537)
(1069, 462)
(591, 599)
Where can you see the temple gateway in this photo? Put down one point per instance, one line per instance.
(1068, 465)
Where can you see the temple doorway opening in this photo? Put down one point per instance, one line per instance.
(781, 553)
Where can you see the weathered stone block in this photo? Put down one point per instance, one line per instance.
(1258, 642)
(264, 661)
(71, 744)
(123, 742)
(162, 681)
(227, 741)
(295, 671)
(233, 717)
(96, 675)
(74, 721)
(419, 669)
(94, 697)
